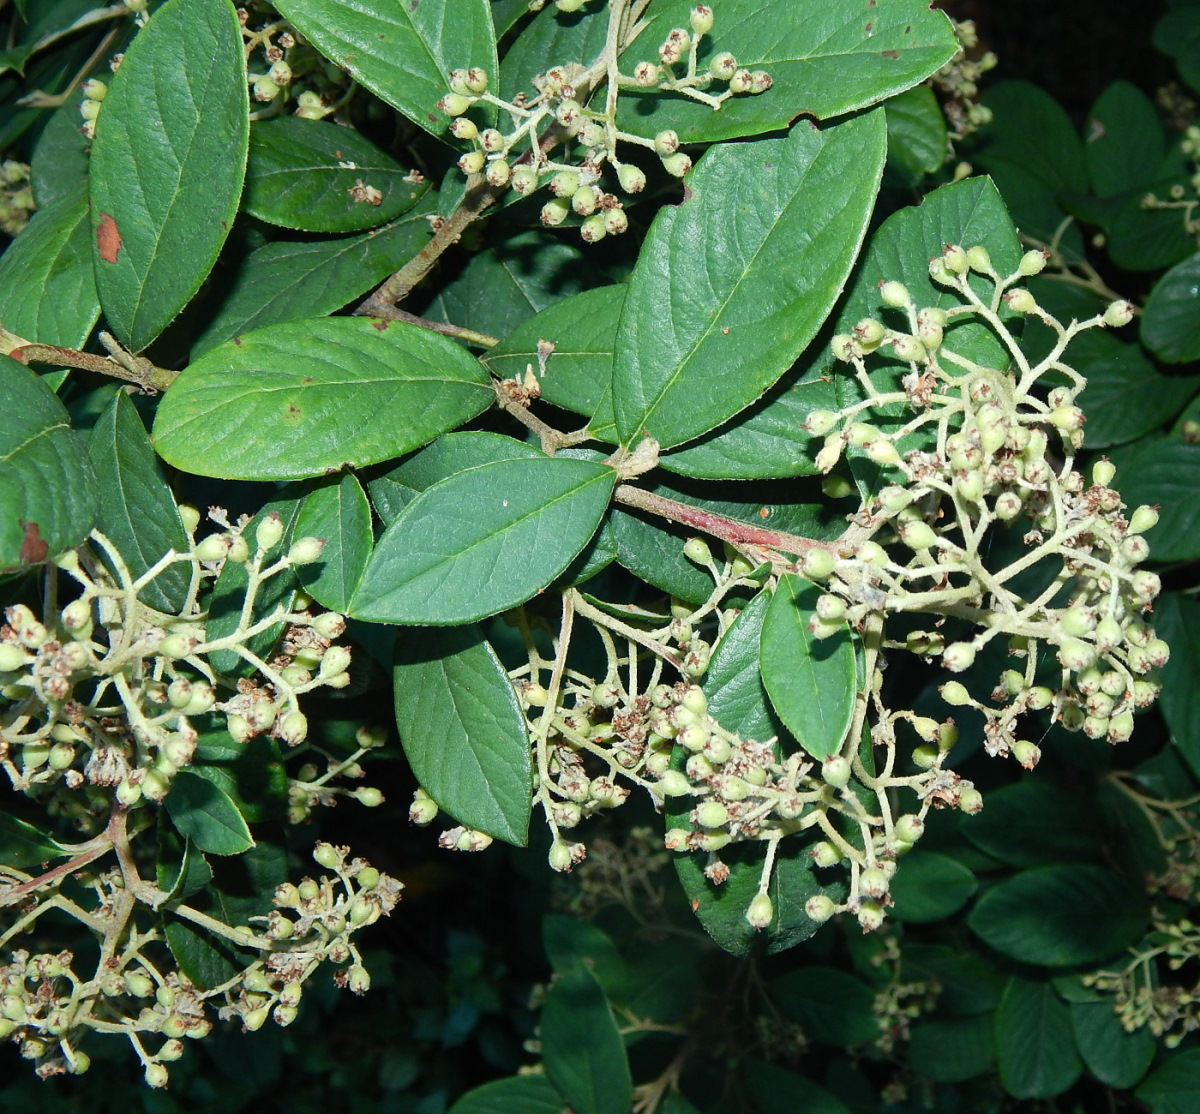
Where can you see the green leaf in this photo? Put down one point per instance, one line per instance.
(733, 283)
(581, 1047)
(181, 870)
(779, 1091)
(583, 330)
(250, 774)
(47, 286)
(137, 510)
(204, 813)
(483, 541)
(812, 682)
(1169, 327)
(1177, 621)
(831, 1006)
(311, 175)
(1165, 473)
(1115, 1057)
(733, 685)
(519, 1094)
(59, 163)
(462, 729)
(824, 60)
(165, 180)
(930, 887)
(1035, 1049)
(289, 281)
(570, 942)
(306, 398)
(47, 487)
(401, 52)
(1032, 823)
(1150, 239)
(1123, 140)
(952, 1050)
(22, 846)
(916, 134)
(1174, 1087)
(1060, 916)
(393, 490)
(1177, 34)
(969, 986)
(652, 549)
(339, 513)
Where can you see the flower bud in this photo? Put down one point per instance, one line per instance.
(701, 19)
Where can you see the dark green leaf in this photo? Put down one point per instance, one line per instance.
(483, 541)
(1177, 621)
(551, 37)
(1035, 1049)
(812, 682)
(1115, 1057)
(1169, 326)
(570, 942)
(519, 1094)
(250, 774)
(831, 1006)
(737, 699)
(1174, 1087)
(181, 870)
(652, 550)
(969, 986)
(778, 1091)
(1032, 823)
(733, 283)
(952, 1050)
(1177, 34)
(930, 887)
(824, 60)
(1123, 140)
(339, 513)
(306, 398)
(1165, 473)
(916, 133)
(401, 52)
(47, 488)
(137, 510)
(316, 176)
(288, 281)
(1141, 239)
(581, 1048)
(205, 814)
(47, 286)
(462, 729)
(22, 846)
(1061, 916)
(59, 163)
(158, 232)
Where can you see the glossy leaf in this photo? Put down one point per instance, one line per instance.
(1035, 1049)
(22, 846)
(483, 541)
(831, 1006)
(779, 1091)
(306, 398)
(47, 285)
(931, 887)
(401, 52)
(311, 175)
(462, 729)
(289, 281)
(339, 513)
(1177, 620)
(824, 60)
(916, 129)
(47, 487)
(518, 1094)
(250, 774)
(582, 1050)
(1169, 327)
(733, 283)
(1060, 916)
(952, 1050)
(1115, 1057)
(1123, 140)
(1165, 472)
(583, 329)
(1034, 823)
(970, 985)
(733, 685)
(137, 510)
(1174, 1087)
(812, 682)
(393, 490)
(158, 231)
(206, 814)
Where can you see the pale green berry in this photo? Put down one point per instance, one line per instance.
(472, 162)
(1145, 585)
(819, 908)
(477, 80)
(820, 422)
(825, 854)
(870, 916)
(498, 173)
(835, 771)
(883, 453)
(701, 19)
(1076, 655)
(1103, 472)
(970, 800)
(817, 564)
(12, 657)
(368, 796)
(632, 178)
(1143, 518)
(615, 221)
(873, 882)
(1120, 727)
(89, 110)
(1007, 506)
(1020, 301)
(335, 660)
(674, 784)
(712, 814)
(844, 347)
(677, 165)
(306, 550)
(265, 89)
(955, 693)
(524, 180)
(955, 259)
(285, 1015)
(239, 550)
(925, 756)
(1033, 263)
(177, 646)
(646, 74)
(555, 212)
(1066, 418)
(824, 628)
(214, 548)
(979, 260)
(761, 912)
(593, 230)
(696, 549)
(741, 81)
(694, 738)
(723, 66)
(895, 294)
(1118, 314)
(917, 535)
(909, 828)
(1078, 620)
(1026, 753)
(837, 487)
(293, 728)
(156, 1074)
(94, 89)
(873, 554)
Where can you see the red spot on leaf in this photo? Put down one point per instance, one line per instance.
(108, 239)
(33, 549)
(380, 325)
(893, 54)
(237, 341)
(307, 379)
(293, 412)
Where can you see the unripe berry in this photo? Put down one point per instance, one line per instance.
(817, 564)
(677, 165)
(94, 89)
(306, 551)
(1066, 418)
(1103, 472)
(368, 796)
(835, 771)
(870, 916)
(873, 882)
(583, 201)
(265, 89)
(472, 162)
(1076, 655)
(712, 814)
(593, 229)
(1033, 263)
(741, 81)
(1143, 518)
(213, 548)
(255, 1019)
(524, 180)
(895, 294)
(970, 800)
(955, 259)
(723, 66)
(1026, 753)
(674, 784)
(883, 453)
(178, 645)
(820, 422)
(825, 854)
(280, 73)
(646, 74)
(89, 110)
(819, 908)
(335, 660)
(1118, 314)
(701, 19)
(157, 1075)
(555, 212)
(615, 221)
(696, 549)
(477, 80)
(12, 657)
(760, 912)
(1120, 726)
(909, 828)
(917, 535)
(978, 259)
(955, 693)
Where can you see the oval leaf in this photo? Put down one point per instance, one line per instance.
(306, 398)
(319, 177)
(1114, 1056)
(931, 887)
(462, 729)
(158, 230)
(1060, 916)
(339, 513)
(47, 487)
(1169, 326)
(1035, 1050)
(483, 541)
(518, 1094)
(733, 283)
(402, 52)
(206, 814)
(812, 682)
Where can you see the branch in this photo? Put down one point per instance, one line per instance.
(461, 332)
(120, 365)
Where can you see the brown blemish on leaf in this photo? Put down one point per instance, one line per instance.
(869, 27)
(33, 549)
(237, 341)
(108, 239)
(893, 54)
(413, 5)
(307, 379)
(293, 412)
(380, 324)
